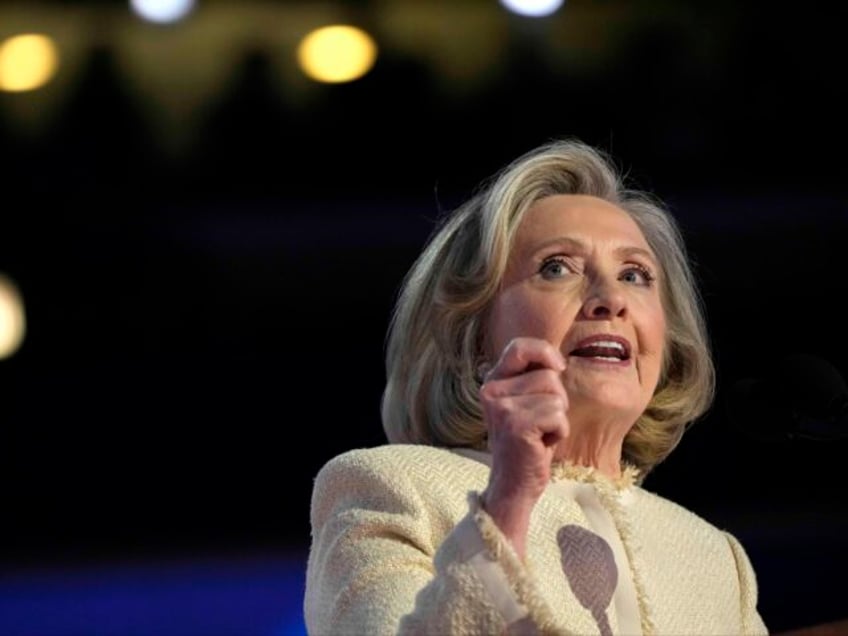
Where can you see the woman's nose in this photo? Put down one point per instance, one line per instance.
(604, 300)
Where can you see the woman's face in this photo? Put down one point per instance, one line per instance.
(582, 277)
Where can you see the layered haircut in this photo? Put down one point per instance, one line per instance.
(436, 338)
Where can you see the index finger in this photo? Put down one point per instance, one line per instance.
(524, 354)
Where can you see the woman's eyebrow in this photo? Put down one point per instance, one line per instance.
(575, 244)
(628, 251)
(566, 242)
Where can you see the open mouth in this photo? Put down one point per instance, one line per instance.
(607, 350)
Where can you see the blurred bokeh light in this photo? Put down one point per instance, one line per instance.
(162, 11)
(337, 53)
(27, 62)
(533, 8)
(12, 317)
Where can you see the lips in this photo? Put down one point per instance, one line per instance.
(606, 346)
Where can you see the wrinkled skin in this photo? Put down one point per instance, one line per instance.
(576, 337)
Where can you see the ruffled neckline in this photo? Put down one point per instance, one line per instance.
(629, 477)
(590, 475)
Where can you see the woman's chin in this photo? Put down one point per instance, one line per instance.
(604, 409)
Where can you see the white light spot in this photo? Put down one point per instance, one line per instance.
(162, 11)
(532, 8)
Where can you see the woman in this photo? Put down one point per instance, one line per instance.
(548, 349)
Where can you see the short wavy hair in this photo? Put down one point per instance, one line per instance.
(436, 334)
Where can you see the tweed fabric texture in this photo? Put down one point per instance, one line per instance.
(398, 541)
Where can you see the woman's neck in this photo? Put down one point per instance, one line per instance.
(596, 446)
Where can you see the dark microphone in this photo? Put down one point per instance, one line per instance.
(802, 397)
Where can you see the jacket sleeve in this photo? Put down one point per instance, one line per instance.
(377, 564)
(752, 622)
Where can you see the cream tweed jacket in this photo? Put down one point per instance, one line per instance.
(399, 545)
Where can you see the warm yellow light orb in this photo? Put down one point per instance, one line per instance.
(27, 62)
(336, 54)
(12, 320)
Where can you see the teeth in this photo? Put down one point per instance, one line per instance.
(608, 344)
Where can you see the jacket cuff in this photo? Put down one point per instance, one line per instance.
(508, 581)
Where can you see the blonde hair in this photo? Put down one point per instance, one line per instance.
(435, 337)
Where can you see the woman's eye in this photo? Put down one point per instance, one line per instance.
(554, 268)
(638, 276)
